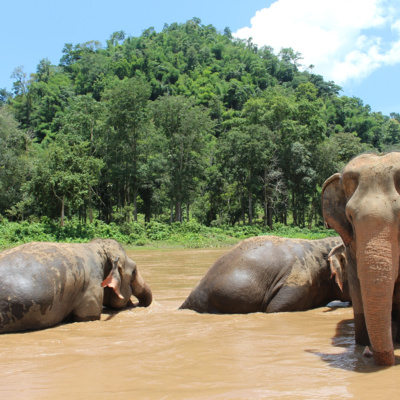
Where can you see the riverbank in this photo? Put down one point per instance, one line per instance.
(152, 235)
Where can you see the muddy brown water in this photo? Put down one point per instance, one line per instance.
(164, 353)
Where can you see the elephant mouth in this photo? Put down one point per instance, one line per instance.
(144, 295)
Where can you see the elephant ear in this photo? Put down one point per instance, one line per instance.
(113, 279)
(337, 267)
(334, 208)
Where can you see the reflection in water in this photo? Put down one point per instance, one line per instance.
(164, 353)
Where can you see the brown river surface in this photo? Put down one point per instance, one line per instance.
(164, 353)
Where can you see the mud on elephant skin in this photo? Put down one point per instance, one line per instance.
(272, 274)
(42, 284)
(363, 205)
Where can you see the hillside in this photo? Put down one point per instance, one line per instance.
(179, 124)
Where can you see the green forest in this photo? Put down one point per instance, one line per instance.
(186, 125)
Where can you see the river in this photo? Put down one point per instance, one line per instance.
(161, 352)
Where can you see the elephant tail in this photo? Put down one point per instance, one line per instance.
(200, 302)
(186, 305)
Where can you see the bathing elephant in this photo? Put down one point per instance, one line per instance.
(272, 274)
(363, 205)
(41, 284)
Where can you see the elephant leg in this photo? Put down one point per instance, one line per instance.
(289, 298)
(360, 326)
(398, 328)
(360, 329)
(396, 310)
(88, 309)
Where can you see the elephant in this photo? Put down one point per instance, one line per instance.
(362, 204)
(43, 284)
(272, 274)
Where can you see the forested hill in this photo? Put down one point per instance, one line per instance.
(184, 123)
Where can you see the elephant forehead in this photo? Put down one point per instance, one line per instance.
(367, 162)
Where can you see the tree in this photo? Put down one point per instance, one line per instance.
(89, 70)
(237, 152)
(158, 109)
(391, 134)
(289, 64)
(49, 93)
(44, 70)
(84, 121)
(21, 102)
(128, 116)
(14, 163)
(116, 38)
(66, 172)
(5, 96)
(301, 179)
(185, 127)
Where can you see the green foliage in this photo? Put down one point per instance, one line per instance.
(14, 164)
(185, 125)
(158, 231)
(188, 235)
(65, 173)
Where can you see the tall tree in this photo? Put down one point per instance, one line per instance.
(22, 101)
(84, 121)
(14, 163)
(66, 173)
(128, 116)
(185, 127)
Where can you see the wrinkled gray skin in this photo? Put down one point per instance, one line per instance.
(362, 203)
(272, 274)
(41, 284)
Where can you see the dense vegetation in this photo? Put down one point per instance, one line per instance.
(154, 234)
(184, 124)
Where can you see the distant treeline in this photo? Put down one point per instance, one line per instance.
(154, 234)
(187, 123)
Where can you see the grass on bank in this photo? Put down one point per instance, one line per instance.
(154, 234)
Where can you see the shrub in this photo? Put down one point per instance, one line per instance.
(188, 234)
(157, 231)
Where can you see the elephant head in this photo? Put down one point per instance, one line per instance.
(123, 278)
(363, 205)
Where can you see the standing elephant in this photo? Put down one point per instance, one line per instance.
(363, 205)
(41, 284)
(271, 274)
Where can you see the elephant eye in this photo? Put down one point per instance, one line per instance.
(133, 275)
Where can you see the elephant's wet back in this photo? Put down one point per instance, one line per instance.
(161, 352)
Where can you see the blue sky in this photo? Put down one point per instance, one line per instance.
(355, 43)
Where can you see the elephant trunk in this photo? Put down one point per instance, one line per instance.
(377, 267)
(141, 290)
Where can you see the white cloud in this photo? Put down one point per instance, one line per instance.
(344, 39)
